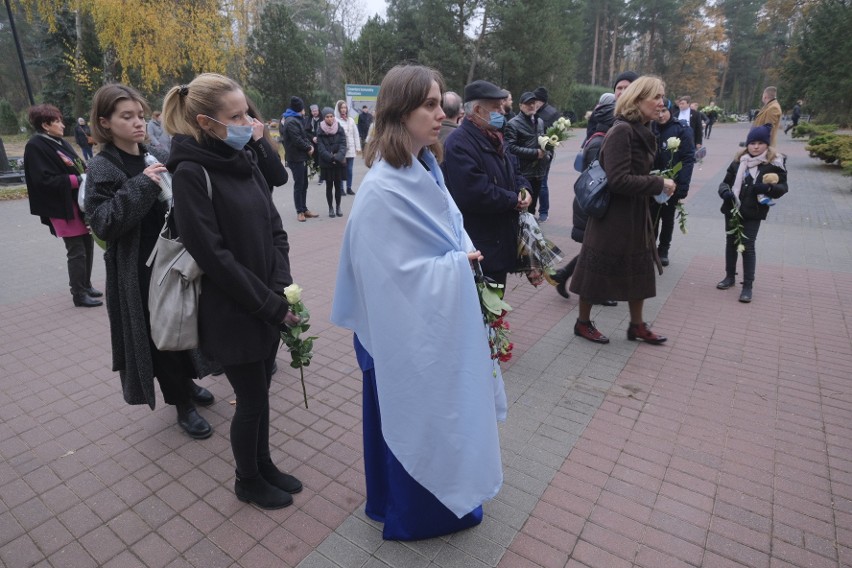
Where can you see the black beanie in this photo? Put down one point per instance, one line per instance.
(541, 94)
(297, 104)
(760, 134)
(625, 76)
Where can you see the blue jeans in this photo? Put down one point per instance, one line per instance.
(300, 185)
(544, 196)
(350, 167)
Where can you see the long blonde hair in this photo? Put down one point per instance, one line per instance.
(403, 90)
(203, 95)
(643, 88)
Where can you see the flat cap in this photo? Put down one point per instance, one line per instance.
(528, 97)
(483, 90)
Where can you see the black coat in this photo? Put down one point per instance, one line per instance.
(685, 154)
(749, 207)
(332, 148)
(522, 141)
(548, 115)
(295, 139)
(485, 186)
(238, 241)
(116, 206)
(52, 176)
(81, 135)
(365, 119)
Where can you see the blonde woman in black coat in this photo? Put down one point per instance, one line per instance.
(238, 241)
(124, 207)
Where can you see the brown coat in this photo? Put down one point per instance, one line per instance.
(770, 114)
(618, 255)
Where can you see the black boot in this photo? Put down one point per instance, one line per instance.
(727, 282)
(94, 292)
(331, 212)
(745, 295)
(664, 256)
(192, 422)
(83, 300)
(201, 395)
(339, 212)
(276, 477)
(561, 277)
(260, 492)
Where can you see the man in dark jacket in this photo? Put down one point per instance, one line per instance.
(522, 134)
(795, 116)
(548, 115)
(483, 180)
(365, 120)
(297, 151)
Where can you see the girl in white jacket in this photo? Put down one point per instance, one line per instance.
(353, 142)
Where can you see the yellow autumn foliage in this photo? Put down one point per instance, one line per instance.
(159, 39)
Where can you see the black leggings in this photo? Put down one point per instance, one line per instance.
(333, 181)
(750, 229)
(250, 424)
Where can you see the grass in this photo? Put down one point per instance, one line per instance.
(13, 192)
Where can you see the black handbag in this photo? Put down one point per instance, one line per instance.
(590, 190)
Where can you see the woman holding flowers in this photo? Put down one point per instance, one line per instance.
(674, 146)
(238, 241)
(432, 397)
(618, 254)
(54, 173)
(756, 175)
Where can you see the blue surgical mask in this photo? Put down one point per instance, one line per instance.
(496, 119)
(238, 135)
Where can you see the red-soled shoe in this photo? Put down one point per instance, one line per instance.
(641, 332)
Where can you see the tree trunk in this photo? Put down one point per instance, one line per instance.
(612, 52)
(724, 77)
(595, 49)
(478, 44)
(78, 103)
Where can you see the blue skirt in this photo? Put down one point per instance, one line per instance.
(407, 509)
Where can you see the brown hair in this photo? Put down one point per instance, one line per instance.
(39, 115)
(643, 88)
(184, 103)
(404, 88)
(104, 103)
(103, 106)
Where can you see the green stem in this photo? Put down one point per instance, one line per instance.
(304, 391)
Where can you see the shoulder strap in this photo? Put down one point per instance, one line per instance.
(209, 186)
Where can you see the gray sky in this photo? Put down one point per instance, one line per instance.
(373, 7)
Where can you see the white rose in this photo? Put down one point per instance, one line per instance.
(293, 293)
(554, 140)
(673, 143)
(741, 248)
(543, 141)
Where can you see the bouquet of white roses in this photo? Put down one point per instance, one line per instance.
(555, 134)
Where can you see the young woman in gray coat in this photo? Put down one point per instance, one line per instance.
(124, 208)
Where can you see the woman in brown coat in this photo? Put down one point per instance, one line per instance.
(619, 253)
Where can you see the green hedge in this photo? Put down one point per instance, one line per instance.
(584, 98)
(8, 119)
(809, 130)
(832, 148)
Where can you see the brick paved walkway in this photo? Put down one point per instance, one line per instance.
(728, 446)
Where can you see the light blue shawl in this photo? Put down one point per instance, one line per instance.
(405, 287)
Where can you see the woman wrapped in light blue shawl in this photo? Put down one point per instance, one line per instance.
(405, 287)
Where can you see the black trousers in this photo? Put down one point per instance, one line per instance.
(535, 191)
(333, 182)
(750, 229)
(250, 424)
(80, 255)
(664, 216)
(300, 185)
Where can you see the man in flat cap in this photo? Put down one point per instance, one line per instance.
(521, 136)
(484, 181)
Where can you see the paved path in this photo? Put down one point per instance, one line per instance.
(728, 446)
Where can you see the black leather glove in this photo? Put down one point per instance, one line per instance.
(726, 193)
(761, 187)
